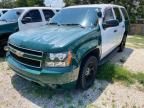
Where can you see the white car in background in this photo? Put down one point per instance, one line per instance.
(3, 11)
(23, 18)
(32, 17)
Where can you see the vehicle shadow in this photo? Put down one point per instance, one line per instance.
(2, 59)
(122, 57)
(45, 97)
(48, 98)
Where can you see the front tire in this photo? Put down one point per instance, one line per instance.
(88, 73)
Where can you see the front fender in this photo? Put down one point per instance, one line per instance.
(86, 48)
(8, 28)
(86, 44)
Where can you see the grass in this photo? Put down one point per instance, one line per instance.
(92, 106)
(2, 59)
(68, 97)
(135, 41)
(111, 72)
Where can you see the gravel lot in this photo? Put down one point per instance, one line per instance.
(16, 92)
(134, 59)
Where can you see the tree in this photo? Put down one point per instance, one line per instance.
(21, 3)
(7, 3)
(35, 2)
(25, 3)
(135, 8)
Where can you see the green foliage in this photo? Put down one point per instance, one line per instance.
(114, 73)
(35, 2)
(21, 3)
(135, 9)
(140, 78)
(136, 41)
(7, 3)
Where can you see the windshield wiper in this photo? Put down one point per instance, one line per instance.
(75, 25)
(54, 23)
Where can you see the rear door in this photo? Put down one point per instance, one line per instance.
(35, 20)
(121, 27)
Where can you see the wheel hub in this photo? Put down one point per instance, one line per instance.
(87, 73)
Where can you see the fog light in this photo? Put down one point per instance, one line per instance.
(6, 48)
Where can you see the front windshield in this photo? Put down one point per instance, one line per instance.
(11, 15)
(85, 17)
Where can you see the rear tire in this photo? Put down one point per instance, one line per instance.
(88, 73)
(123, 43)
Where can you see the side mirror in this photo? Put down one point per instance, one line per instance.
(18, 13)
(111, 23)
(49, 19)
(99, 14)
(26, 20)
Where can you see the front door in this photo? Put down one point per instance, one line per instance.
(31, 19)
(109, 34)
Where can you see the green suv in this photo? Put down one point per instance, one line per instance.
(66, 53)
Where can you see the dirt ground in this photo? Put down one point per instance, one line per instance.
(16, 92)
(134, 59)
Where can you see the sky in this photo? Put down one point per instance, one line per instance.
(54, 3)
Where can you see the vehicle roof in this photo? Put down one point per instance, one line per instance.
(4, 9)
(95, 6)
(38, 8)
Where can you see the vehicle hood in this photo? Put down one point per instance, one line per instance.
(8, 27)
(48, 38)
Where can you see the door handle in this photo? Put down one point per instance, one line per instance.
(115, 31)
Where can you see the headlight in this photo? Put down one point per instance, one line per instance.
(58, 59)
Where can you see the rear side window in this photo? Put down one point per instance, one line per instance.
(108, 15)
(118, 14)
(34, 15)
(57, 10)
(4, 11)
(125, 14)
(48, 14)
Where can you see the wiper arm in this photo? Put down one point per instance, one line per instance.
(74, 25)
(54, 23)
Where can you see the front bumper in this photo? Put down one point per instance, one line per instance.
(52, 77)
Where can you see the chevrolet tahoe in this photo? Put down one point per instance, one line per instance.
(66, 53)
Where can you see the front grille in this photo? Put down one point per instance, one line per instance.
(27, 57)
(24, 61)
(28, 51)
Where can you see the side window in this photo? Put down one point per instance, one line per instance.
(48, 14)
(57, 10)
(125, 14)
(108, 15)
(34, 15)
(118, 14)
